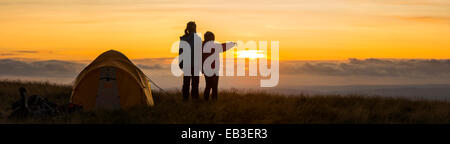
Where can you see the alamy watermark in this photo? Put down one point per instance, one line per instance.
(238, 52)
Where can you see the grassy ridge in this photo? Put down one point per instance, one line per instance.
(236, 107)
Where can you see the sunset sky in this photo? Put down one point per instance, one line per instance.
(307, 30)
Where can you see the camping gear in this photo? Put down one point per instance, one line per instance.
(33, 106)
(72, 108)
(111, 81)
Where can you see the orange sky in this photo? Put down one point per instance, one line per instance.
(307, 30)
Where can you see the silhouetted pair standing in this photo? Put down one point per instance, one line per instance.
(190, 36)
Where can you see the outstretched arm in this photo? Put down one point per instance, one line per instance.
(227, 46)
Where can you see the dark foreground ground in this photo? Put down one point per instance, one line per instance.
(236, 107)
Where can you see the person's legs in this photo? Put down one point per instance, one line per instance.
(214, 85)
(185, 89)
(194, 92)
(207, 88)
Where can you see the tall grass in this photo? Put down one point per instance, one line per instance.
(236, 108)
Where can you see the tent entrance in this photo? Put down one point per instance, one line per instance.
(107, 95)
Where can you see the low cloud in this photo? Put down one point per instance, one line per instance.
(430, 19)
(406, 68)
(57, 68)
(154, 66)
(412, 68)
(7, 54)
(18, 52)
(52, 68)
(26, 51)
(153, 63)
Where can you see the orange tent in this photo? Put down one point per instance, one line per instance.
(111, 81)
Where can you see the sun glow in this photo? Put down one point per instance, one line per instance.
(252, 54)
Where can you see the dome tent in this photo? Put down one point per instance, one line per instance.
(111, 81)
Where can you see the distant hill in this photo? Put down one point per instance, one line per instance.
(235, 106)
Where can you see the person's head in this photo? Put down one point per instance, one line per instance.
(209, 36)
(23, 92)
(191, 27)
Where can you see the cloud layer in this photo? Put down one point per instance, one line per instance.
(57, 68)
(373, 67)
(52, 68)
(407, 68)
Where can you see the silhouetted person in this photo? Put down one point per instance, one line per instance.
(20, 107)
(212, 81)
(191, 37)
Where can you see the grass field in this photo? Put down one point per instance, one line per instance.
(236, 107)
